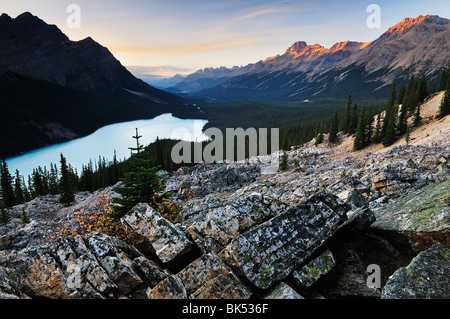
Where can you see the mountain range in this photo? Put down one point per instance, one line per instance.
(162, 82)
(414, 46)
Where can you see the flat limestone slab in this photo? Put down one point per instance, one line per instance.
(147, 228)
(422, 216)
(271, 251)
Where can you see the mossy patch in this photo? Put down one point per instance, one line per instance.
(426, 209)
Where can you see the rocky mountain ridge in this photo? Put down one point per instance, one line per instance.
(300, 57)
(312, 231)
(414, 42)
(32, 48)
(414, 46)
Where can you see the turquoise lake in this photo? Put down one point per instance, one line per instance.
(105, 140)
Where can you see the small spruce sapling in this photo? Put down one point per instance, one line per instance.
(284, 162)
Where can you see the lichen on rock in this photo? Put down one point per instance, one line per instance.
(426, 277)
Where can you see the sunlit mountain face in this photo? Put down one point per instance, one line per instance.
(414, 46)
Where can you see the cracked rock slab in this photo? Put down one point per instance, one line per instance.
(426, 277)
(270, 252)
(421, 216)
(283, 291)
(223, 224)
(148, 230)
(314, 270)
(205, 278)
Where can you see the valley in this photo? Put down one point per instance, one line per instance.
(42, 107)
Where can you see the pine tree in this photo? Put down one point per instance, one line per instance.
(417, 117)
(401, 94)
(407, 135)
(159, 153)
(386, 117)
(140, 185)
(5, 218)
(333, 138)
(444, 108)
(74, 178)
(8, 197)
(18, 189)
(86, 179)
(444, 83)
(447, 80)
(403, 120)
(24, 217)
(115, 169)
(26, 191)
(103, 178)
(348, 115)
(411, 98)
(284, 162)
(368, 127)
(354, 121)
(391, 119)
(284, 141)
(360, 135)
(45, 180)
(393, 97)
(66, 183)
(37, 184)
(53, 180)
(415, 96)
(423, 91)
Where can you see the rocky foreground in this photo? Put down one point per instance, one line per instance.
(371, 226)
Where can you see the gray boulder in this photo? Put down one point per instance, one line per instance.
(355, 200)
(283, 291)
(94, 266)
(426, 277)
(205, 278)
(151, 233)
(314, 270)
(220, 225)
(421, 216)
(359, 220)
(271, 251)
(115, 257)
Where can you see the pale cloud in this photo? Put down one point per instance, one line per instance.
(247, 46)
(261, 12)
(160, 71)
(185, 49)
(276, 8)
